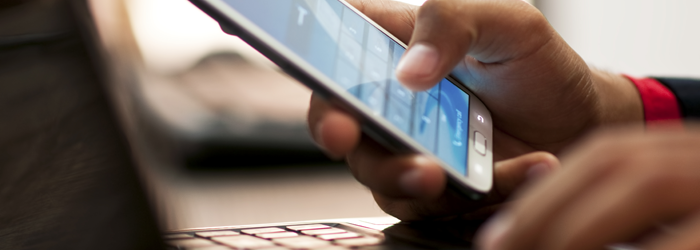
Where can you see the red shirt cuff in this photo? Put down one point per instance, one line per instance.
(659, 102)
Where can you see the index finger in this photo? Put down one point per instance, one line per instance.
(491, 32)
(334, 130)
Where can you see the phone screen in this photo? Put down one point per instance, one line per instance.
(362, 60)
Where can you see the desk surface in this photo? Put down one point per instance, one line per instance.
(186, 199)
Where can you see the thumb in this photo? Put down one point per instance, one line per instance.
(511, 174)
(489, 31)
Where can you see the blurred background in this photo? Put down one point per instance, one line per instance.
(220, 132)
(641, 38)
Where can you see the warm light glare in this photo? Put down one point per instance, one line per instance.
(174, 35)
(420, 2)
(414, 2)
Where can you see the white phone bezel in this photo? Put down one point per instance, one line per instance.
(479, 179)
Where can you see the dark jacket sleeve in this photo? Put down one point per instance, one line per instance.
(687, 92)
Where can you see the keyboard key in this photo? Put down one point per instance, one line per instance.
(373, 95)
(263, 230)
(188, 243)
(277, 235)
(400, 93)
(425, 123)
(323, 231)
(338, 236)
(622, 247)
(302, 242)
(308, 227)
(399, 114)
(357, 242)
(217, 233)
(243, 241)
(214, 247)
(177, 236)
(378, 43)
(350, 51)
(354, 26)
(332, 248)
(374, 69)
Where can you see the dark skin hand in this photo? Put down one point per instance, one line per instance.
(626, 184)
(541, 94)
(622, 185)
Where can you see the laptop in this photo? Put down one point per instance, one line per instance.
(67, 178)
(332, 234)
(370, 233)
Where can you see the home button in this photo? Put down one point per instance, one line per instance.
(479, 143)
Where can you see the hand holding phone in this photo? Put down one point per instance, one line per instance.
(349, 60)
(517, 75)
(516, 156)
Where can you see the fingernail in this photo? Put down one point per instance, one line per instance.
(537, 171)
(319, 135)
(321, 145)
(493, 233)
(410, 180)
(420, 60)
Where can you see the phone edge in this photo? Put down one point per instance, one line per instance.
(370, 126)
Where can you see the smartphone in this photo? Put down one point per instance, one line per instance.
(348, 59)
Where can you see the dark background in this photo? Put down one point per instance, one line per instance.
(66, 176)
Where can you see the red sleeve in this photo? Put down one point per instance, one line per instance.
(659, 102)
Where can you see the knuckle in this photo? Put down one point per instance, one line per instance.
(547, 157)
(532, 17)
(654, 185)
(436, 9)
(610, 145)
(409, 17)
(401, 209)
(603, 148)
(361, 5)
(651, 181)
(433, 4)
(674, 188)
(653, 190)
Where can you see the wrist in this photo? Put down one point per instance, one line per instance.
(619, 101)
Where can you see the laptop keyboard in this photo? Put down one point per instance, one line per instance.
(309, 236)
